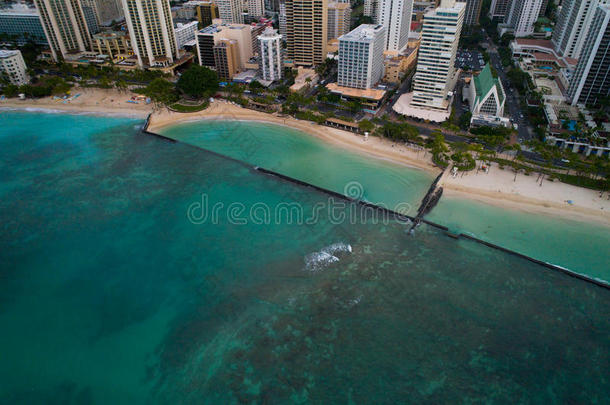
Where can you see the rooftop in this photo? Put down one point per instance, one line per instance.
(19, 9)
(543, 43)
(484, 82)
(370, 94)
(4, 53)
(362, 33)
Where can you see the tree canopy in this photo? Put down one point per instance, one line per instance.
(198, 81)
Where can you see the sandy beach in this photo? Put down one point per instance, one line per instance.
(96, 101)
(498, 187)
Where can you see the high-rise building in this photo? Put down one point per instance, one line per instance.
(116, 45)
(110, 10)
(435, 75)
(361, 57)
(339, 15)
(573, 25)
(65, 27)
(370, 9)
(185, 32)
(92, 15)
(12, 67)
(256, 8)
(226, 58)
(395, 16)
(208, 37)
(591, 79)
(522, 16)
(205, 11)
(270, 56)
(499, 9)
(231, 11)
(205, 45)
(22, 22)
(473, 12)
(306, 36)
(151, 28)
(281, 17)
(256, 30)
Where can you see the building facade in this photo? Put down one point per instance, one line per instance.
(306, 36)
(92, 15)
(361, 57)
(185, 32)
(339, 15)
(231, 11)
(12, 67)
(591, 80)
(110, 10)
(205, 46)
(22, 23)
(499, 9)
(256, 8)
(152, 33)
(435, 75)
(370, 9)
(522, 16)
(65, 27)
(226, 58)
(395, 16)
(573, 25)
(117, 45)
(270, 56)
(473, 12)
(281, 18)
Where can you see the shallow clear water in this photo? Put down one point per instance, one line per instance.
(111, 293)
(304, 157)
(579, 246)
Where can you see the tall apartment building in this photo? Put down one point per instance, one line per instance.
(116, 45)
(22, 22)
(270, 55)
(226, 58)
(185, 33)
(65, 27)
(573, 25)
(473, 12)
(339, 16)
(361, 57)
(231, 11)
(92, 15)
(591, 80)
(12, 67)
(208, 37)
(370, 9)
(435, 74)
(205, 11)
(151, 28)
(281, 17)
(395, 16)
(256, 8)
(306, 35)
(522, 16)
(256, 30)
(110, 10)
(205, 45)
(499, 9)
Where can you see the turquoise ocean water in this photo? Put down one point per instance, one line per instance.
(115, 290)
(579, 246)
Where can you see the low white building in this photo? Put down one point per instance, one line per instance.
(271, 63)
(12, 67)
(487, 98)
(185, 33)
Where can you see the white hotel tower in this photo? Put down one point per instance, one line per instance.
(573, 25)
(435, 74)
(271, 64)
(395, 16)
(361, 57)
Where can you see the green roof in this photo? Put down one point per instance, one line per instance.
(484, 82)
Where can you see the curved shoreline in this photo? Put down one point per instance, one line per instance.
(486, 191)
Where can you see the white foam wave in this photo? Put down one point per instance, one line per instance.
(318, 261)
(125, 114)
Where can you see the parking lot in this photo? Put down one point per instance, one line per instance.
(472, 60)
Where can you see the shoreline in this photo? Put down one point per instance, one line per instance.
(496, 188)
(93, 101)
(374, 146)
